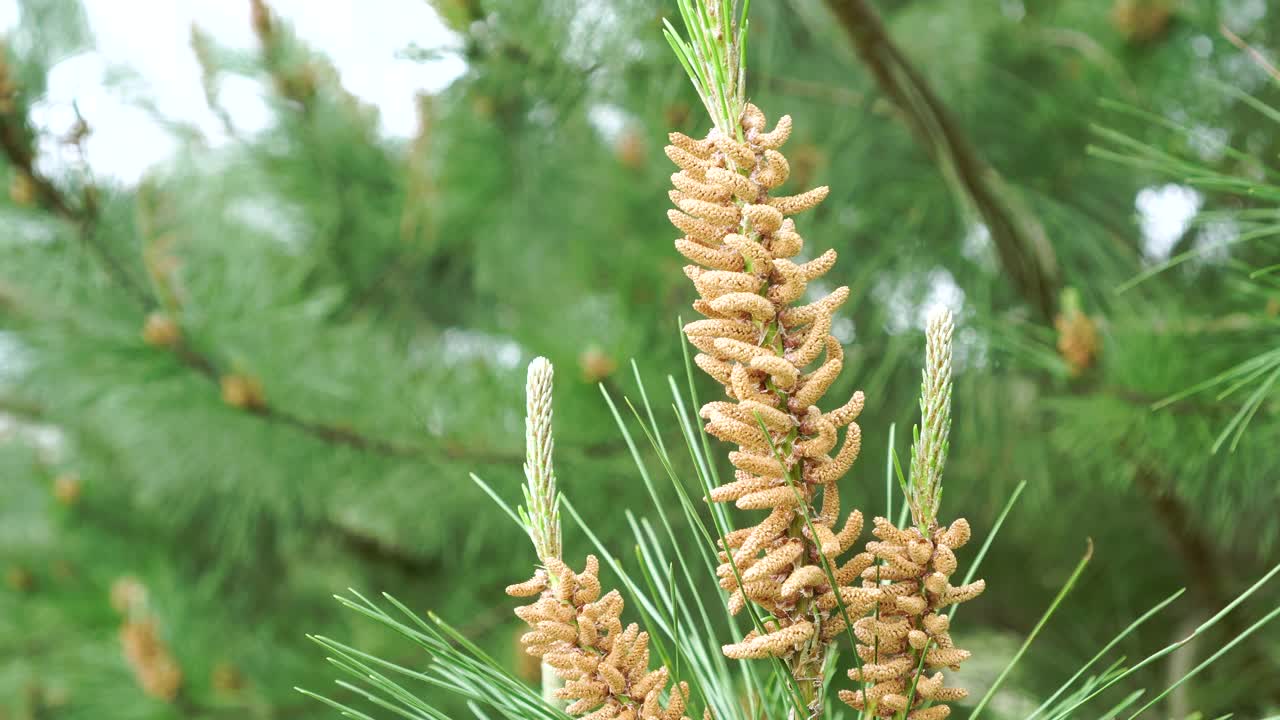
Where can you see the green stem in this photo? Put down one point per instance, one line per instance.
(551, 682)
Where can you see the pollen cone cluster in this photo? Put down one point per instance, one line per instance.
(909, 624)
(148, 656)
(776, 359)
(604, 665)
(153, 665)
(1078, 341)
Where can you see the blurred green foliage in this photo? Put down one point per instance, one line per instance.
(385, 296)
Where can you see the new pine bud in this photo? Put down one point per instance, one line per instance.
(160, 330)
(128, 594)
(630, 150)
(66, 488)
(227, 679)
(596, 364)
(243, 392)
(19, 578)
(1078, 342)
(22, 191)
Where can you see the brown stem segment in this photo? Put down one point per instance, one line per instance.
(1199, 557)
(1196, 552)
(1021, 242)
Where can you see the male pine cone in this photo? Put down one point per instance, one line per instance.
(760, 345)
(580, 635)
(909, 636)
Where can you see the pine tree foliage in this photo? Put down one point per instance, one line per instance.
(261, 375)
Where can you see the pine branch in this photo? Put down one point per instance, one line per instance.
(1196, 552)
(1146, 401)
(1021, 243)
(368, 548)
(205, 366)
(84, 217)
(1201, 559)
(17, 149)
(811, 90)
(22, 410)
(373, 550)
(348, 437)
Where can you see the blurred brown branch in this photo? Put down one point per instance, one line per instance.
(1195, 551)
(15, 141)
(1020, 239)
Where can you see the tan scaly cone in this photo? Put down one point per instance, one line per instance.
(765, 349)
(579, 634)
(909, 622)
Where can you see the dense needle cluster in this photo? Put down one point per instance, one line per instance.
(580, 635)
(776, 360)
